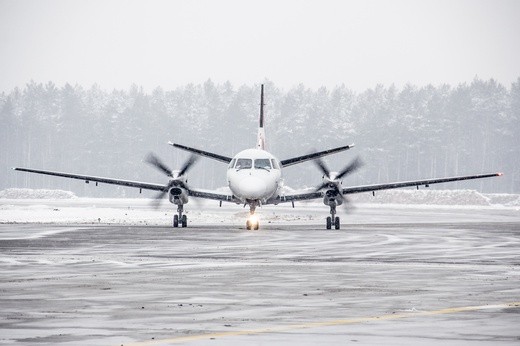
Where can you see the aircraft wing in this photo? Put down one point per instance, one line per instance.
(213, 195)
(300, 159)
(89, 178)
(141, 185)
(376, 187)
(425, 182)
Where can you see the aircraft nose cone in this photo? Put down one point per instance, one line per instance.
(252, 188)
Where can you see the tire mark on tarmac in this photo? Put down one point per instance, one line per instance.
(339, 322)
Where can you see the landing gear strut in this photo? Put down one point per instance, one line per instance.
(180, 217)
(333, 219)
(252, 222)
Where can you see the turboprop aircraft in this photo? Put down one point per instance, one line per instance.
(255, 179)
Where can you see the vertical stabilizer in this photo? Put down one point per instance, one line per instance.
(261, 132)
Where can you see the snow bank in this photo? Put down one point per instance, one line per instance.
(431, 197)
(419, 197)
(392, 206)
(36, 194)
(508, 200)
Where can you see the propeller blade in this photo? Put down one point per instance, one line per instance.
(157, 201)
(352, 167)
(154, 161)
(347, 205)
(321, 187)
(321, 165)
(187, 165)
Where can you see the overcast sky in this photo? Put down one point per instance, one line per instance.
(172, 43)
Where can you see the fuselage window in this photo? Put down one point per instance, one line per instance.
(275, 164)
(244, 164)
(262, 164)
(232, 164)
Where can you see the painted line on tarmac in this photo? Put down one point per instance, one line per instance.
(358, 320)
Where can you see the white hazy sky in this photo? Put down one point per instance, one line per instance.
(116, 43)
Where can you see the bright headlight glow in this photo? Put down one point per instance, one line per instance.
(253, 219)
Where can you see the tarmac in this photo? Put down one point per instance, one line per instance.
(403, 276)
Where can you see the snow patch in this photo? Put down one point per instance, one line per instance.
(36, 194)
(508, 200)
(428, 197)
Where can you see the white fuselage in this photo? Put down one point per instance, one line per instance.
(254, 175)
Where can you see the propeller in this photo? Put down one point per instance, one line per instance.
(333, 181)
(177, 177)
(350, 168)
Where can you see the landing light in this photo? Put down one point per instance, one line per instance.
(253, 220)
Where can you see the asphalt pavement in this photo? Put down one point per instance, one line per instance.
(431, 280)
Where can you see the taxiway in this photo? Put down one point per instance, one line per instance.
(417, 276)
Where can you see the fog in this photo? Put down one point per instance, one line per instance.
(117, 43)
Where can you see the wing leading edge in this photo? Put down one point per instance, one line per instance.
(425, 182)
(377, 187)
(129, 183)
(89, 178)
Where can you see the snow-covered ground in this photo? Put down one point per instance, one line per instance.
(54, 206)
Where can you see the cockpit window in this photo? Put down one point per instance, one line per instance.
(275, 164)
(244, 164)
(262, 164)
(232, 164)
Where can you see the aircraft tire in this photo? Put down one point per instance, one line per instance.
(329, 222)
(336, 223)
(175, 220)
(248, 225)
(184, 221)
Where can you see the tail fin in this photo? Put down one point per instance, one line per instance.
(261, 132)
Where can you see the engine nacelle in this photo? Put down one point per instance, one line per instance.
(332, 198)
(178, 195)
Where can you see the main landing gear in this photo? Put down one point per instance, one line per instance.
(180, 218)
(333, 219)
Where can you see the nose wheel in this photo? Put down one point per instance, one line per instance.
(333, 219)
(180, 219)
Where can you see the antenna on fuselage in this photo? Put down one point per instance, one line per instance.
(260, 144)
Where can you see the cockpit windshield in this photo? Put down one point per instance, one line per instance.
(263, 164)
(248, 164)
(244, 164)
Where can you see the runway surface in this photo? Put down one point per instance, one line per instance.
(403, 276)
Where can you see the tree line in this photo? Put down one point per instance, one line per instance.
(406, 133)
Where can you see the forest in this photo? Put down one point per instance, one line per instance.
(400, 133)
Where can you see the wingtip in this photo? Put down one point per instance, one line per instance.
(170, 143)
(500, 174)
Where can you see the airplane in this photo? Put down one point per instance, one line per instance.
(254, 179)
